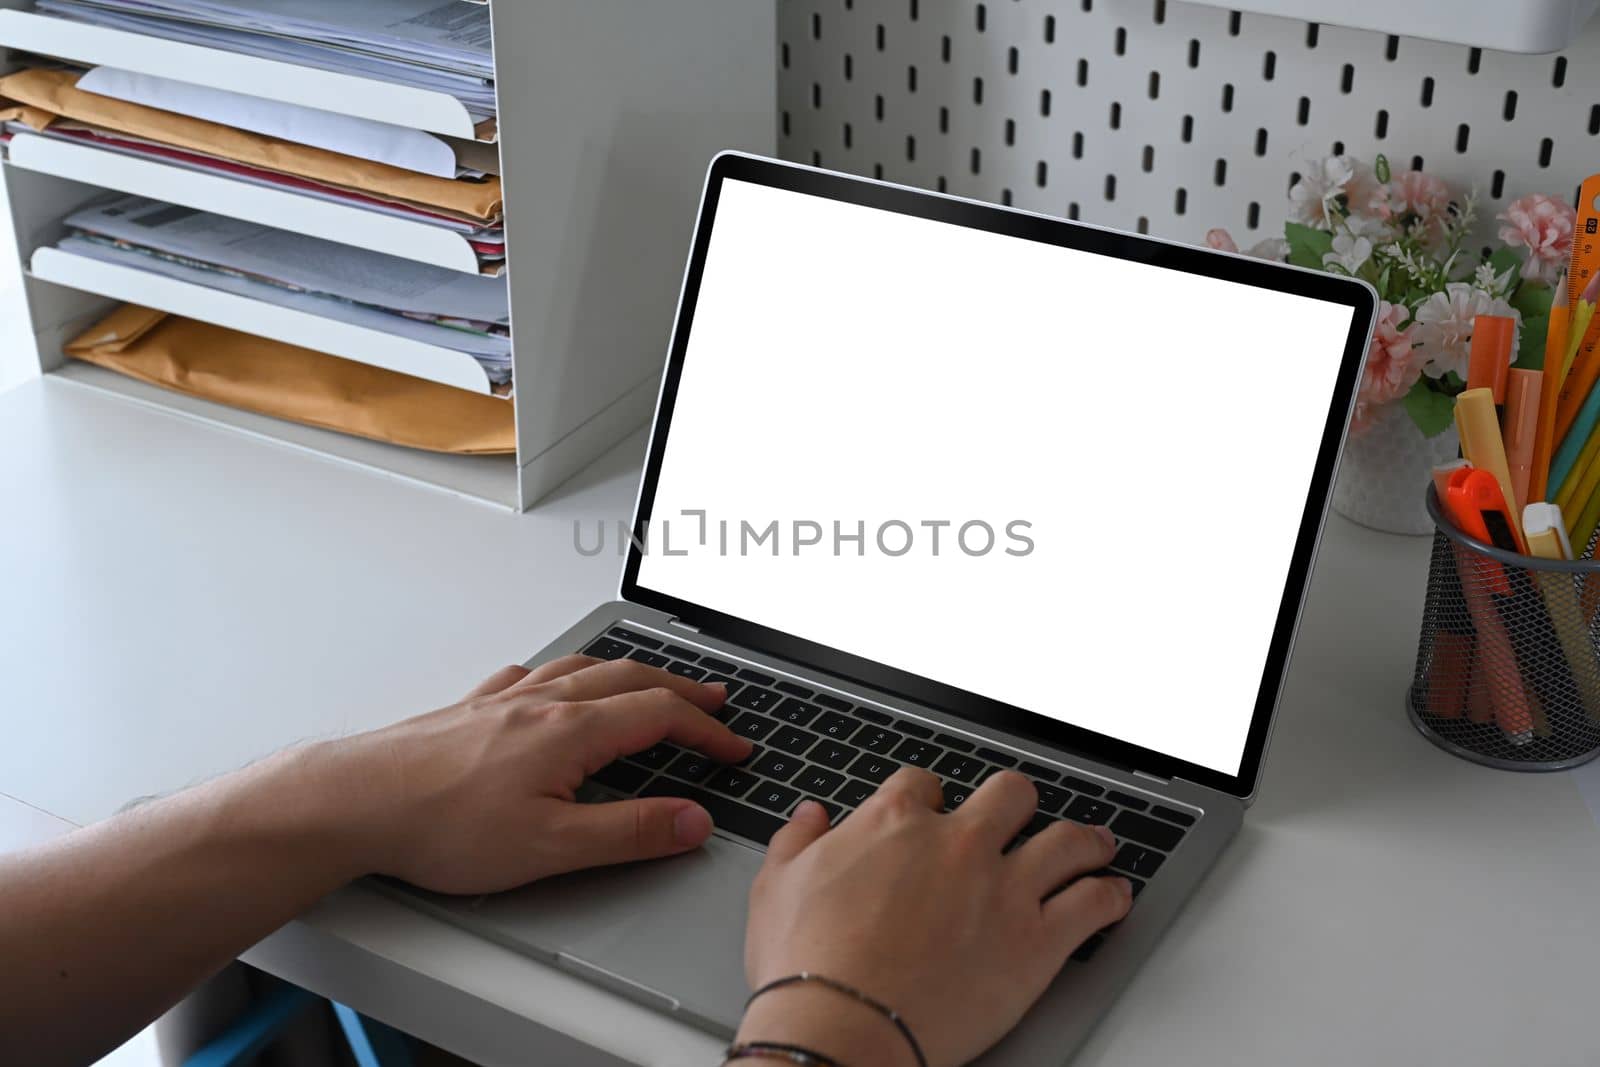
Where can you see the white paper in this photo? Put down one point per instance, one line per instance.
(380, 142)
(295, 259)
(493, 353)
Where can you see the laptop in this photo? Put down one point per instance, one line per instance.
(942, 484)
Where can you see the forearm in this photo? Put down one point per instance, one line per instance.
(103, 930)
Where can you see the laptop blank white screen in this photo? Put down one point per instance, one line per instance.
(1138, 440)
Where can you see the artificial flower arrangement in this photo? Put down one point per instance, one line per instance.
(1406, 234)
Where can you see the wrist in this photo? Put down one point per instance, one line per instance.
(836, 1026)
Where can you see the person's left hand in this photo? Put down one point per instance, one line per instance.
(478, 797)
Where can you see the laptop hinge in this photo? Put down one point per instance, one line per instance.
(1152, 777)
(680, 624)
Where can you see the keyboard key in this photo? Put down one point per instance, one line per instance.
(1136, 859)
(872, 715)
(917, 753)
(728, 815)
(877, 739)
(756, 698)
(1034, 770)
(732, 781)
(778, 798)
(818, 781)
(796, 711)
(832, 724)
(1182, 818)
(721, 666)
(960, 744)
(656, 756)
(914, 729)
(830, 701)
(1051, 798)
(794, 689)
(791, 740)
(855, 792)
(1147, 831)
(833, 810)
(955, 794)
(607, 648)
(1091, 811)
(679, 652)
(1005, 759)
(752, 726)
(623, 777)
(988, 772)
(649, 659)
(634, 638)
(1127, 800)
(874, 768)
(1078, 785)
(692, 767)
(833, 754)
(1085, 952)
(733, 684)
(955, 765)
(1039, 821)
(778, 765)
(686, 670)
(756, 676)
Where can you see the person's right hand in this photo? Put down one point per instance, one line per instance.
(925, 913)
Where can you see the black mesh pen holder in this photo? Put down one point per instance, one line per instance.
(1508, 673)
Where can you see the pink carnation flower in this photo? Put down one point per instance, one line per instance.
(1424, 196)
(1393, 365)
(1543, 225)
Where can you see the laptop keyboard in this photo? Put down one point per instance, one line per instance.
(818, 746)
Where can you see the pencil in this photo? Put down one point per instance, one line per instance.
(1583, 360)
(1555, 349)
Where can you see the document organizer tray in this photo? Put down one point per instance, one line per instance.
(610, 112)
(1507, 671)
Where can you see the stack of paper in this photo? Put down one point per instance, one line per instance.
(461, 312)
(440, 45)
(50, 102)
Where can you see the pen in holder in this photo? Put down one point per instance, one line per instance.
(1507, 669)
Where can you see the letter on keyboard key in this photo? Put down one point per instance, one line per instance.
(727, 815)
(855, 792)
(656, 756)
(874, 768)
(732, 781)
(818, 781)
(833, 754)
(876, 739)
(955, 794)
(776, 798)
(792, 741)
(692, 767)
(1147, 831)
(777, 765)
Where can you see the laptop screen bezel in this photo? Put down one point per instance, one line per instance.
(973, 707)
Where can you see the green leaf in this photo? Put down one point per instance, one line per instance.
(1505, 259)
(1307, 246)
(1532, 300)
(1433, 412)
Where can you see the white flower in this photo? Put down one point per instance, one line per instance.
(1444, 326)
(1495, 284)
(1350, 253)
(1315, 192)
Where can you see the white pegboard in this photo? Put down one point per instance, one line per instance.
(1166, 117)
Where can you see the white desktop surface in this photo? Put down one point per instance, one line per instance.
(177, 599)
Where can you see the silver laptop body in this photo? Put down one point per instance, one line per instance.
(669, 933)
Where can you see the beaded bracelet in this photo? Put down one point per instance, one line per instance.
(773, 1050)
(849, 991)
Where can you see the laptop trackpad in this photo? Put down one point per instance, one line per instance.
(668, 933)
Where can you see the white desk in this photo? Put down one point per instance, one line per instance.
(176, 599)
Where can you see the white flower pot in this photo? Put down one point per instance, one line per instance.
(1385, 473)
